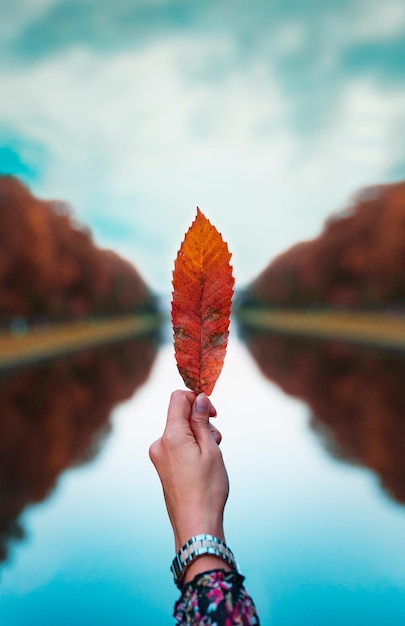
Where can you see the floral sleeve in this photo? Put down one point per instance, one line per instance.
(216, 598)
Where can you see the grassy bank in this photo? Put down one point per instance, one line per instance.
(60, 339)
(378, 329)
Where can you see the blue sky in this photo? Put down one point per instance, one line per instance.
(267, 115)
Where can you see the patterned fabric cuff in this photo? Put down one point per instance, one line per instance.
(216, 597)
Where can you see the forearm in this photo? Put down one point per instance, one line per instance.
(195, 485)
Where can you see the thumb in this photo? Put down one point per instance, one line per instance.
(200, 418)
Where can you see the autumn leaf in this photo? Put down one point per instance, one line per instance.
(201, 305)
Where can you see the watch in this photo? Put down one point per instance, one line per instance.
(198, 546)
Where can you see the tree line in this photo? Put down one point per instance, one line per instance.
(50, 267)
(357, 262)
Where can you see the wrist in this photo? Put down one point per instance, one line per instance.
(197, 529)
(210, 526)
(203, 564)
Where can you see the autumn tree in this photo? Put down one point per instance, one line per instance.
(49, 265)
(358, 261)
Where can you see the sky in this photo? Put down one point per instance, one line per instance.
(268, 115)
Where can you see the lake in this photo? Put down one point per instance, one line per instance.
(318, 539)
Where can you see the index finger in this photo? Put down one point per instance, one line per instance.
(180, 408)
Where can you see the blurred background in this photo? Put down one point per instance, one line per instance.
(270, 116)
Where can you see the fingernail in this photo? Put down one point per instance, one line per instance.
(202, 404)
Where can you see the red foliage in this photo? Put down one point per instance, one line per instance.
(50, 267)
(201, 305)
(357, 262)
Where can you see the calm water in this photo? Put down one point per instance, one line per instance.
(319, 540)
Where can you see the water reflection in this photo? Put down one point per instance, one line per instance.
(57, 415)
(356, 397)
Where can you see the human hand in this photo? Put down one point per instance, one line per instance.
(190, 466)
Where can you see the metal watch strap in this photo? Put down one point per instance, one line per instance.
(198, 546)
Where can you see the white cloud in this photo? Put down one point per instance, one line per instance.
(379, 20)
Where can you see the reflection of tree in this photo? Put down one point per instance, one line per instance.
(357, 399)
(55, 416)
(358, 261)
(50, 267)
